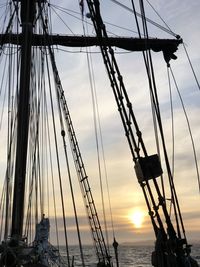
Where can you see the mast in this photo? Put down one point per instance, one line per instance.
(27, 18)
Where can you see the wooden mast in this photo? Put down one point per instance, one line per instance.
(27, 18)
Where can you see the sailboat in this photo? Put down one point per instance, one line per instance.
(40, 140)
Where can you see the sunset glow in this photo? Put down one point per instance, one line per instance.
(137, 218)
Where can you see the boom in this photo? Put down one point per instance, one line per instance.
(168, 46)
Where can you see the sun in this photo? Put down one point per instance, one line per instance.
(137, 218)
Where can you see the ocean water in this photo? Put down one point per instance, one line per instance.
(129, 255)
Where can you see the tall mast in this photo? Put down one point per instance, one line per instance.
(27, 18)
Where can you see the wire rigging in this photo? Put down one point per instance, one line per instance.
(96, 123)
(150, 75)
(147, 19)
(57, 83)
(50, 153)
(40, 162)
(66, 11)
(170, 177)
(167, 26)
(189, 128)
(60, 180)
(192, 68)
(63, 21)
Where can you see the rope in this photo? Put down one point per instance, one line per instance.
(51, 167)
(57, 84)
(152, 83)
(57, 87)
(50, 154)
(63, 21)
(189, 128)
(192, 68)
(57, 158)
(73, 199)
(167, 26)
(172, 132)
(66, 11)
(2, 208)
(95, 112)
(97, 127)
(147, 19)
(48, 139)
(34, 142)
(60, 180)
(150, 75)
(4, 99)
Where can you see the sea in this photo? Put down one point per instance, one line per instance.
(129, 255)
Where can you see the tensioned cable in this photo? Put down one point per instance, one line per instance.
(34, 141)
(44, 25)
(62, 21)
(9, 135)
(40, 156)
(48, 17)
(73, 197)
(189, 127)
(94, 96)
(156, 103)
(167, 26)
(50, 152)
(2, 207)
(43, 137)
(7, 28)
(92, 85)
(46, 163)
(35, 115)
(188, 57)
(177, 212)
(172, 131)
(192, 68)
(32, 164)
(104, 160)
(120, 93)
(57, 156)
(57, 83)
(51, 164)
(95, 119)
(146, 56)
(147, 19)
(172, 120)
(125, 7)
(56, 78)
(4, 15)
(1, 89)
(11, 127)
(88, 23)
(59, 176)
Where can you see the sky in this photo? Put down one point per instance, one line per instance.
(130, 217)
(125, 192)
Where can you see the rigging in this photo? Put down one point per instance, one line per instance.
(147, 167)
(98, 238)
(149, 20)
(30, 156)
